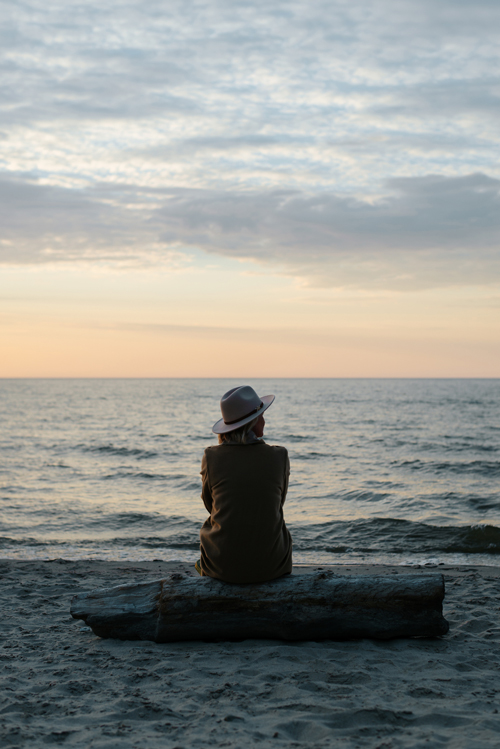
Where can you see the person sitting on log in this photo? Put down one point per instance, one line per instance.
(245, 481)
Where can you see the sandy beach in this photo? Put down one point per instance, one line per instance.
(63, 685)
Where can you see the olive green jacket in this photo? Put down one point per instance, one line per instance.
(245, 539)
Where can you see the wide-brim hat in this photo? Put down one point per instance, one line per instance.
(239, 406)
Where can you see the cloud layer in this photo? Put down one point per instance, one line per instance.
(345, 142)
(425, 232)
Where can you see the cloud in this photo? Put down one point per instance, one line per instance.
(430, 212)
(419, 233)
(445, 99)
(347, 142)
(42, 222)
(240, 61)
(427, 231)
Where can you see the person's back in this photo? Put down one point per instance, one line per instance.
(245, 481)
(245, 539)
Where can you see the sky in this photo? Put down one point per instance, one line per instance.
(244, 189)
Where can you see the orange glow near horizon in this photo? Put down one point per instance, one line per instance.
(75, 324)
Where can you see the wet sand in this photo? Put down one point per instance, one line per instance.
(62, 685)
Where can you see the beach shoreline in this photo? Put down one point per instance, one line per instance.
(63, 685)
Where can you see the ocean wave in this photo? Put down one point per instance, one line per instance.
(454, 447)
(143, 521)
(8, 541)
(483, 504)
(188, 542)
(368, 537)
(296, 438)
(132, 452)
(313, 455)
(391, 535)
(144, 476)
(362, 495)
(192, 486)
(488, 468)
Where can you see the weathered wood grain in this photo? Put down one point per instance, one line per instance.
(318, 606)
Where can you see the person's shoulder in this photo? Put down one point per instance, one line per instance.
(278, 449)
(208, 452)
(274, 447)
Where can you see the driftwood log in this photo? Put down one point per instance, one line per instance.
(315, 606)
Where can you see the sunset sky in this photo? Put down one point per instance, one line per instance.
(244, 189)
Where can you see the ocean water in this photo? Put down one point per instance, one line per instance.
(397, 471)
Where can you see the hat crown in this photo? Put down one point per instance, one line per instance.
(238, 403)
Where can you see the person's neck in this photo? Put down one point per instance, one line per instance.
(252, 439)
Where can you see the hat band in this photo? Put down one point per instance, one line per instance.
(235, 421)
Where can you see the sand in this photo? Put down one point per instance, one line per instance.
(62, 685)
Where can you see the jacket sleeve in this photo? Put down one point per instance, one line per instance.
(206, 493)
(285, 479)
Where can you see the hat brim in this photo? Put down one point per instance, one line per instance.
(220, 427)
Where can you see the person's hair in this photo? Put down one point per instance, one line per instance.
(240, 435)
